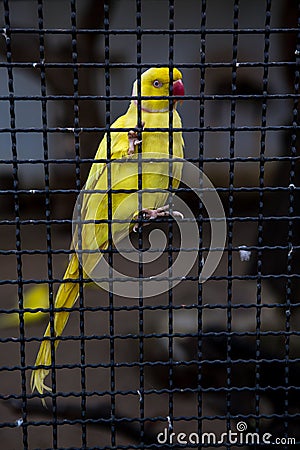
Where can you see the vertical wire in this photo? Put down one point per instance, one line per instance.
(140, 229)
(13, 135)
(260, 224)
(78, 186)
(288, 286)
(48, 215)
(170, 221)
(199, 218)
(230, 208)
(109, 215)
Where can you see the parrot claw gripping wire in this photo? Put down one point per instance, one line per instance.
(133, 139)
(152, 214)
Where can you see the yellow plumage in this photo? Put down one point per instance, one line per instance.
(122, 174)
(34, 299)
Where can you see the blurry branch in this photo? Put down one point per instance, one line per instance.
(98, 415)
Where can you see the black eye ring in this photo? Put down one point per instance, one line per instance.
(157, 83)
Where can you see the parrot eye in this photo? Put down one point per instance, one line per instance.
(157, 84)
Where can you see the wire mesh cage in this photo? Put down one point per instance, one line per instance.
(187, 335)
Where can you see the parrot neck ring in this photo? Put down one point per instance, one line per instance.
(151, 110)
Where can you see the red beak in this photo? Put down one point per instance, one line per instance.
(178, 88)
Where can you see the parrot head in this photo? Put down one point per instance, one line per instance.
(155, 82)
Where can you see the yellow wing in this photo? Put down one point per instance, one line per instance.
(121, 175)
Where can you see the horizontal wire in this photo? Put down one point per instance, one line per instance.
(158, 220)
(106, 161)
(157, 363)
(156, 279)
(166, 130)
(134, 31)
(104, 337)
(153, 391)
(39, 191)
(249, 97)
(125, 308)
(150, 250)
(157, 418)
(99, 65)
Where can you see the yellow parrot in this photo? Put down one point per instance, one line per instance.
(121, 173)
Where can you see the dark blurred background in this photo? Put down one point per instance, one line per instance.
(260, 361)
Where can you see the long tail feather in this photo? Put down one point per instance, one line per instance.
(66, 296)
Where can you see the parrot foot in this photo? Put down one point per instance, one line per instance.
(133, 140)
(152, 214)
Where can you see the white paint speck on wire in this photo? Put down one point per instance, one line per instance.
(244, 253)
(4, 33)
(140, 395)
(19, 422)
(169, 423)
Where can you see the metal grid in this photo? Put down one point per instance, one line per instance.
(230, 375)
